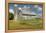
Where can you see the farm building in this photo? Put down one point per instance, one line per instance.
(24, 13)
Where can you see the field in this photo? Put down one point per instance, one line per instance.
(25, 24)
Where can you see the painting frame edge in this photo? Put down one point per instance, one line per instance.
(23, 2)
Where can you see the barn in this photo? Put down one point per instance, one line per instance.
(24, 13)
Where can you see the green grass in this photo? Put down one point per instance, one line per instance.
(25, 24)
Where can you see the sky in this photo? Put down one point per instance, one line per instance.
(35, 9)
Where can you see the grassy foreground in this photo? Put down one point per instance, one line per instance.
(25, 24)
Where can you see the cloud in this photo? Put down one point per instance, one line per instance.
(15, 5)
(11, 11)
(25, 6)
(20, 8)
(39, 8)
(35, 6)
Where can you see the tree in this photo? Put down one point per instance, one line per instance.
(11, 16)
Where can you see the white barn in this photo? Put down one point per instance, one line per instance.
(24, 13)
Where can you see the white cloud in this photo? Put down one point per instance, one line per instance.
(20, 8)
(36, 6)
(39, 8)
(15, 5)
(11, 11)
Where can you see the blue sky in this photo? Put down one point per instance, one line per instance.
(37, 9)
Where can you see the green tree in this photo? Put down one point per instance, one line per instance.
(11, 16)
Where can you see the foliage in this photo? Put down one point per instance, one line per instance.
(11, 16)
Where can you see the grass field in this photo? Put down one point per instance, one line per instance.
(25, 24)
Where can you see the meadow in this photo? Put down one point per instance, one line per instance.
(33, 24)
